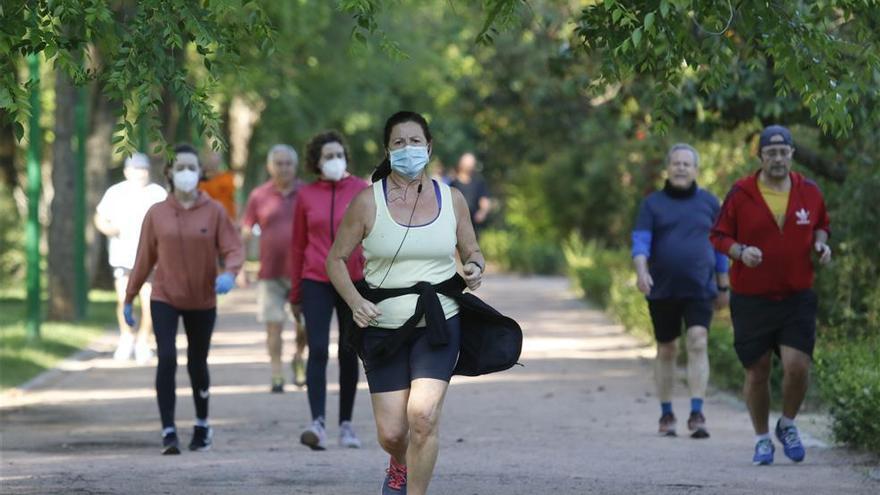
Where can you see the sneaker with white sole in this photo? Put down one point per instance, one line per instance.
(347, 438)
(170, 444)
(315, 436)
(791, 442)
(142, 353)
(764, 450)
(203, 438)
(124, 348)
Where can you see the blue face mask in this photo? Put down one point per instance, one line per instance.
(409, 161)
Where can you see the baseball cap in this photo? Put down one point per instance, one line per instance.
(137, 160)
(775, 134)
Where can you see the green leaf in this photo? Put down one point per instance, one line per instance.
(649, 22)
(637, 37)
(664, 8)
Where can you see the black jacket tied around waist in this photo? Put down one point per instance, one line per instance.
(490, 341)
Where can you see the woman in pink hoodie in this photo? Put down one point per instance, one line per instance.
(319, 209)
(182, 239)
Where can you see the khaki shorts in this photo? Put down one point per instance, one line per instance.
(272, 300)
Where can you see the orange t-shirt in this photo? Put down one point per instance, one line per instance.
(221, 188)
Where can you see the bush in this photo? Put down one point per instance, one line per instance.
(520, 253)
(606, 277)
(726, 372)
(848, 376)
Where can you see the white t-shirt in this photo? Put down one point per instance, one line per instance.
(125, 204)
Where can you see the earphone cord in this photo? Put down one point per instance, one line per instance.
(408, 225)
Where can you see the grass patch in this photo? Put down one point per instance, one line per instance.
(22, 359)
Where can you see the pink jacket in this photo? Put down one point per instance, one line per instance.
(319, 209)
(184, 246)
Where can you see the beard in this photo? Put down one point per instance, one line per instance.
(777, 171)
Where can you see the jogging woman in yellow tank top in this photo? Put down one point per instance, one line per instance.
(410, 227)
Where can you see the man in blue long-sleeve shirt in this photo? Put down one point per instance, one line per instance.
(681, 275)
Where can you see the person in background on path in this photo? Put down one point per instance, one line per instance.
(770, 223)
(440, 172)
(182, 239)
(119, 216)
(474, 189)
(407, 241)
(270, 206)
(219, 184)
(318, 213)
(681, 275)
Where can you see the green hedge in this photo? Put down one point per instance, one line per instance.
(521, 253)
(848, 376)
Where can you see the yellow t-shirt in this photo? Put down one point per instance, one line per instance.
(777, 202)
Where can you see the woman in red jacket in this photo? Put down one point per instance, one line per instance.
(319, 209)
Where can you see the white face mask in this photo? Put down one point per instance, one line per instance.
(185, 180)
(334, 169)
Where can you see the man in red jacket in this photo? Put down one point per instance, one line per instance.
(769, 224)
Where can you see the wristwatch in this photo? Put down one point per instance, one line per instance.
(723, 289)
(482, 270)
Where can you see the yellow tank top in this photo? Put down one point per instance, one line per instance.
(776, 201)
(427, 255)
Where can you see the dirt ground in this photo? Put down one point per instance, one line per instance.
(579, 417)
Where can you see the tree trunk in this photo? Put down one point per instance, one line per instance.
(7, 137)
(99, 159)
(7, 151)
(62, 284)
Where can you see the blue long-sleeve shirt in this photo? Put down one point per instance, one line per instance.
(673, 233)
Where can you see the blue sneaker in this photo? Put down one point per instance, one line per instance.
(791, 442)
(764, 450)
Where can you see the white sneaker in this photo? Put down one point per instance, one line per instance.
(125, 347)
(142, 353)
(314, 437)
(347, 438)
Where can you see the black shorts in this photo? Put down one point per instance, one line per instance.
(761, 324)
(419, 359)
(667, 316)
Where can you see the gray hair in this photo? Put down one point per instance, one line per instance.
(683, 146)
(285, 148)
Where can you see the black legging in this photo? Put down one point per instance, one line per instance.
(198, 324)
(318, 301)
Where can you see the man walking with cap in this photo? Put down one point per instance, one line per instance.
(770, 224)
(681, 275)
(119, 216)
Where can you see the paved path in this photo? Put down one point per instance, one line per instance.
(578, 418)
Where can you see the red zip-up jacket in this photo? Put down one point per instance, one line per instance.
(317, 213)
(745, 218)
